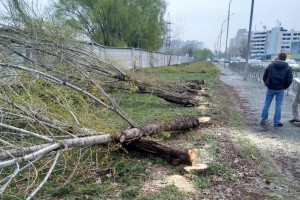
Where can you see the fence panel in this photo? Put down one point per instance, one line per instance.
(257, 71)
(136, 58)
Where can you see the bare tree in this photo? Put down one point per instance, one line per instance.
(175, 39)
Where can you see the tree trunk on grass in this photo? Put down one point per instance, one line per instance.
(32, 152)
(186, 94)
(173, 155)
(183, 123)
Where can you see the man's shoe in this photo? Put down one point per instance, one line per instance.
(278, 125)
(263, 124)
(294, 120)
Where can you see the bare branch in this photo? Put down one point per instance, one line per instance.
(26, 132)
(64, 83)
(46, 177)
(17, 170)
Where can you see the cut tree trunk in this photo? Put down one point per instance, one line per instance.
(186, 94)
(182, 123)
(32, 152)
(173, 155)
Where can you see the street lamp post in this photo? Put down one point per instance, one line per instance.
(226, 20)
(216, 46)
(227, 27)
(248, 43)
(221, 37)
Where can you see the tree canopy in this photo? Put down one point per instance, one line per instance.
(133, 23)
(197, 53)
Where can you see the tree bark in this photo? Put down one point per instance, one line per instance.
(185, 94)
(173, 155)
(183, 123)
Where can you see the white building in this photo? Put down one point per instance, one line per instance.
(286, 39)
(267, 44)
(259, 43)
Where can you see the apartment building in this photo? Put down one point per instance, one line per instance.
(267, 44)
(289, 41)
(259, 43)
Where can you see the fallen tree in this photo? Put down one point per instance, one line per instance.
(133, 141)
(74, 56)
(52, 99)
(33, 152)
(57, 52)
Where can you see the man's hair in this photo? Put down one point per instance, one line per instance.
(282, 56)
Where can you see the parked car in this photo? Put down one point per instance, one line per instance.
(233, 60)
(242, 60)
(215, 60)
(255, 62)
(292, 63)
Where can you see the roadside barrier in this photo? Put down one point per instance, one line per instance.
(256, 72)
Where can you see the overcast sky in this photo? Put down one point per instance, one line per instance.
(202, 19)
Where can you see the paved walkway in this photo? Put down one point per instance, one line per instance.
(280, 146)
(253, 92)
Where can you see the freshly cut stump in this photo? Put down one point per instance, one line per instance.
(196, 168)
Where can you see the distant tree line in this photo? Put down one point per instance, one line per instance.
(199, 54)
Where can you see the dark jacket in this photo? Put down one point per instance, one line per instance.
(281, 75)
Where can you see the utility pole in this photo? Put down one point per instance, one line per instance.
(225, 20)
(248, 43)
(168, 38)
(221, 37)
(227, 27)
(217, 46)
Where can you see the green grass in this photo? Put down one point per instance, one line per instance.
(202, 183)
(130, 169)
(130, 193)
(269, 174)
(144, 108)
(250, 150)
(274, 198)
(170, 192)
(247, 147)
(218, 168)
(237, 121)
(212, 143)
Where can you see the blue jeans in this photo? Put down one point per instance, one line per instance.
(278, 103)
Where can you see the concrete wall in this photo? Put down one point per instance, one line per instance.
(130, 58)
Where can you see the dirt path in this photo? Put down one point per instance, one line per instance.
(280, 147)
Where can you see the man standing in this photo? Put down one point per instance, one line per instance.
(280, 77)
(296, 102)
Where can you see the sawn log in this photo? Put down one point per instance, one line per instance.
(173, 155)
